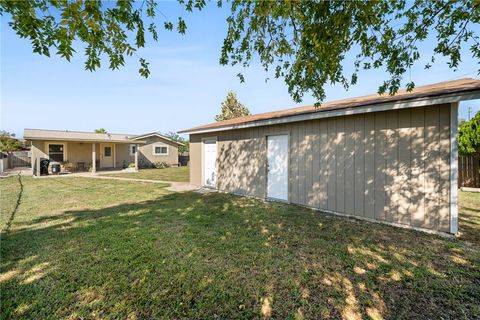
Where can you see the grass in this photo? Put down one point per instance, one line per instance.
(177, 174)
(89, 248)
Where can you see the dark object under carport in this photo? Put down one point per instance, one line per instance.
(56, 168)
(44, 166)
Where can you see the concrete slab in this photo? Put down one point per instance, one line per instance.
(16, 172)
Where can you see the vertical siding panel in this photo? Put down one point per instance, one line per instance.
(257, 153)
(221, 161)
(369, 165)
(444, 169)
(323, 163)
(316, 163)
(224, 166)
(234, 155)
(232, 143)
(267, 130)
(349, 164)
(295, 163)
(340, 163)
(242, 163)
(290, 166)
(391, 166)
(253, 187)
(309, 164)
(380, 155)
(232, 171)
(359, 162)
(263, 169)
(404, 182)
(302, 168)
(243, 174)
(331, 176)
(417, 212)
(432, 148)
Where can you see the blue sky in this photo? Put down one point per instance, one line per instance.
(185, 88)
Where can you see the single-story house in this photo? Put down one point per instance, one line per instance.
(97, 151)
(382, 158)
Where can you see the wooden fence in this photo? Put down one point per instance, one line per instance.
(469, 171)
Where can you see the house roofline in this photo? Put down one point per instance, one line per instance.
(158, 135)
(83, 140)
(394, 105)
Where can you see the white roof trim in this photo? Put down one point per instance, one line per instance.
(158, 135)
(420, 102)
(79, 139)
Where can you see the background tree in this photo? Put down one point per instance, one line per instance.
(176, 137)
(8, 143)
(232, 108)
(307, 43)
(101, 130)
(469, 136)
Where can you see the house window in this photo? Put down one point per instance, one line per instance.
(132, 149)
(160, 150)
(55, 152)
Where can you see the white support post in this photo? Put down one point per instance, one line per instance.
(136, 157)
(35, 161)
(114, 155)
(94, 158)
(454, 168)
(38, 169)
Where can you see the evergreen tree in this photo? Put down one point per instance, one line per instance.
(232, 108)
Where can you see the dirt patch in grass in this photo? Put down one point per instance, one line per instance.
(114, 249)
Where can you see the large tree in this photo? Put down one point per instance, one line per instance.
(185, 147)
(231, 108)
(307, 43)
(469, 136)
(8, 142)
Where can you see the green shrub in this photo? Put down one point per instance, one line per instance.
(131, 165)
(160, 165)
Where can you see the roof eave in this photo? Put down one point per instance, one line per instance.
(394, 105)
(82, 140)
(158, 135)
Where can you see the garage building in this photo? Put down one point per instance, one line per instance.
(391, 159)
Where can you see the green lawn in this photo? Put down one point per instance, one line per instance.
(177, 174)
(80, 248)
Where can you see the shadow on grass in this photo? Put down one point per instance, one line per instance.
(189, 255)
(17, 204)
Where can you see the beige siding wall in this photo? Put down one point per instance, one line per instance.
(391, 166)
(82, 152)
(122, 155)
(147, 153)
(196, 160)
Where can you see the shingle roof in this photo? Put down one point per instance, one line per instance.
(157, 135)
(42, 134)
(433, 90)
